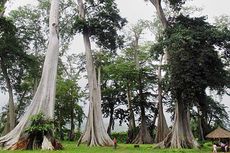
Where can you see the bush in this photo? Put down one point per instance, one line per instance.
(120, 136)
(40, 125)
(77, 135)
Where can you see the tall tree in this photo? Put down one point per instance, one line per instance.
(67, 109)
(44, 98)
(32, 22)
(98, 19)
(32, 29)
(122, 75)
(158, 55)
(114, 88)
(162, 127)
(8, 36)
(8, 31)
(194, 65)
(143, 136)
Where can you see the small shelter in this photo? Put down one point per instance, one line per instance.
(219, 134)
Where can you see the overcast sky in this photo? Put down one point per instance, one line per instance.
(134, 10)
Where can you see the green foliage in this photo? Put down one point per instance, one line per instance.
(39, 124)
(10, 46)
(2, 5)
(176, 4)
(217, 114)
(120, 76)
(78, 135)
(194, 63)
(120, 136)
(14, 60)
(102, 23)
(32, 23)
(67, 110)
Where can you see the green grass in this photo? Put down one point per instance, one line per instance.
(70, 147)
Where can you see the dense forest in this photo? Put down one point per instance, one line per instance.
(127, 80)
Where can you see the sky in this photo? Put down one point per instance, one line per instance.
(133, 10)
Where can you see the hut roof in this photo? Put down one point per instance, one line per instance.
(219, 133)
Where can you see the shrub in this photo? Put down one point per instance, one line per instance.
(120, 136)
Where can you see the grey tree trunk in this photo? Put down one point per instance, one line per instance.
(143, 135)
(181, 135)
(162, 127)
(111, 121)
(160, 12)
(131, 113)
(132, 126)
(11, 118)
(95, 133)
(44, 98)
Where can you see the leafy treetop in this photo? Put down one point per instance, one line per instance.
(102, 21)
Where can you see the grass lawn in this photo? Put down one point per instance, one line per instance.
(70, 147)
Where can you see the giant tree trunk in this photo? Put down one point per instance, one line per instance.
(143, 136)
(162, 17)
(95, 133)
(162, 127)
(181, 135)
(160, 13)
(44, 98)
(130, 108)
(132, 126)
(11, 118)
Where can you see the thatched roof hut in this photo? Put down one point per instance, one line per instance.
(219, 133)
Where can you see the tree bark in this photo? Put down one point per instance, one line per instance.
(111, 121)
(160, 13)
(201, 132)
(181, 135)
(162, 127)
(44, 98)
(72, 126)
(143, 136)
(11, 118)
(162, 17)
(95, 133)
(130, 108)
(132, 126)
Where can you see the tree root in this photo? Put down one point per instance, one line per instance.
(33, 143)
